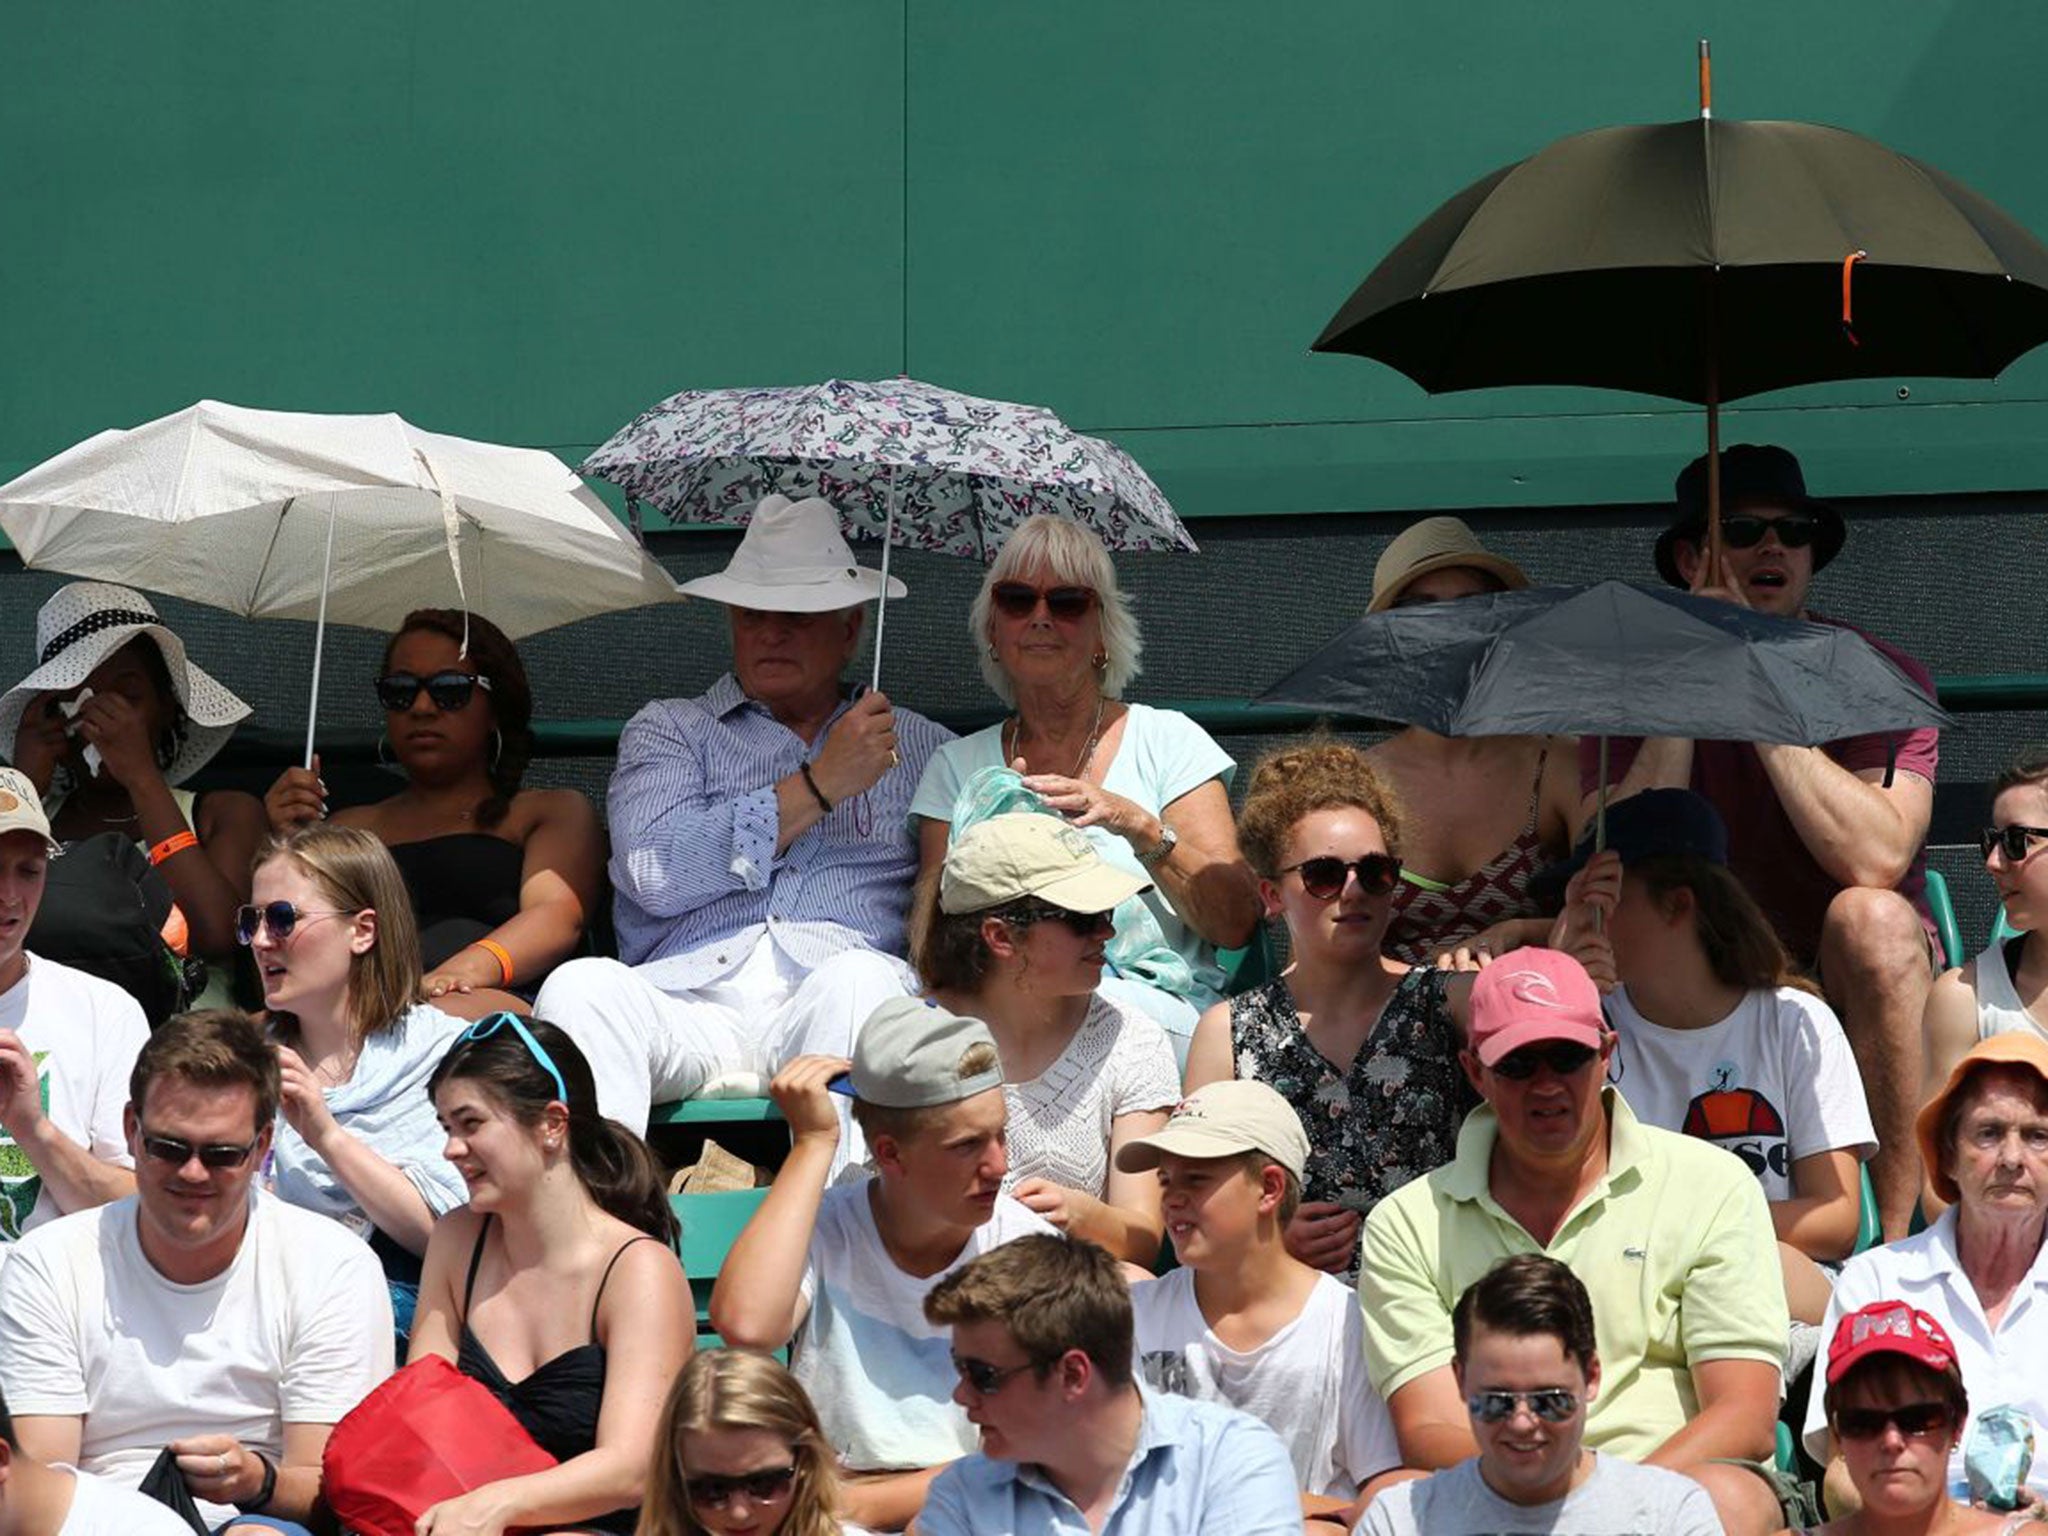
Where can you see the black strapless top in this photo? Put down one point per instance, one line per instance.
(558, 1402)
(463, 886)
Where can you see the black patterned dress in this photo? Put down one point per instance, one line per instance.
(1392, 1118)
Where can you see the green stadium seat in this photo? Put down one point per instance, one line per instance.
(1944, 911)
(713, 1112)
(710, 1224)
(1868, 1233)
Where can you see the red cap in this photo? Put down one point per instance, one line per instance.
(1529, 995)
(1889, 1328)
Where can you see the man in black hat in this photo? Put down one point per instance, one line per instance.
(1828, 839)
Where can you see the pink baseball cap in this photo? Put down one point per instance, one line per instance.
(1529, 995)
(1888, 1328)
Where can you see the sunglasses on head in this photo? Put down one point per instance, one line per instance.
(1019, 600)
(759, 1487)
(1564, 1057)
(1553, 1405)
(280, 917)
(491, 1023)
(1323, 878)
(984, 1378)
(449, 690)
(1080, 924)
(177, 1152)
(2015, 841)
(1745, 530)
(1916, 1421)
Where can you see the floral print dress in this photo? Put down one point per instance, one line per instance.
(1392, 1117)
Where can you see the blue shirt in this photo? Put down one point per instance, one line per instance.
(694, 825)
(1198, 1467)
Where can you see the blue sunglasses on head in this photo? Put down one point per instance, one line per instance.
(490, 1024)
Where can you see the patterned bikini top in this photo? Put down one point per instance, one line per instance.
(1427, 916)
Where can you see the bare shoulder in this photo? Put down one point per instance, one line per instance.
(533, 809)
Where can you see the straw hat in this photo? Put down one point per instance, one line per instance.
(1431, 545)
(2015, 1048)
(793, 559)
(85, 623)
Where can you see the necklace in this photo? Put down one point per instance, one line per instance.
(1013, 737)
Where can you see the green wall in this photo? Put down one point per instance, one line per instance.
(526, 222)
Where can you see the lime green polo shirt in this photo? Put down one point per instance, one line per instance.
(1674, 1245)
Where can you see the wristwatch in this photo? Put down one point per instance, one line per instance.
(1162, 850)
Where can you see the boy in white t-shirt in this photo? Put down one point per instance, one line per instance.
(39, 1500)
(67, 1044)
(1243, 1322)
(840, 1276)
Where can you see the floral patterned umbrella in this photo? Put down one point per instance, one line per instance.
(903, 461)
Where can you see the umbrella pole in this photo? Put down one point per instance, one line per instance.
(1713, 464)
(1600, 821)
(882, 602)
(320, 634)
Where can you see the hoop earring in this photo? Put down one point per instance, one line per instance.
(384, 759)
(497, 748)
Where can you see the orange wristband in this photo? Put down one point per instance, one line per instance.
(499, 953)
(173, 845)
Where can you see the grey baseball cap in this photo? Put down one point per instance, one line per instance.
(912, 1054)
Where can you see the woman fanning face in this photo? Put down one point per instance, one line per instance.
(1335, 885)
(2022, 882)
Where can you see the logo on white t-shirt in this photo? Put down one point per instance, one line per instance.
(20, 1185)
(1739, 1120)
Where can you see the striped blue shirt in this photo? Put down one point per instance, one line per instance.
(694, 825)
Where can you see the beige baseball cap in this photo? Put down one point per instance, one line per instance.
(1027, 853)
(21, 808)
(1225, 1119)
(1432, 545)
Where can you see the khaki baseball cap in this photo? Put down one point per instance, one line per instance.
(912, 1054)
(1431, 545)
(21, 808)
(1225, 1119)
(1027, 853)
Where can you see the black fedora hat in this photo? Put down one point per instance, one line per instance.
(1751, 473)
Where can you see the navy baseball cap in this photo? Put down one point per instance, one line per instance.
(1652, 824)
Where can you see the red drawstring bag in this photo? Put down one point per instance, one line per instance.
(428, 1433)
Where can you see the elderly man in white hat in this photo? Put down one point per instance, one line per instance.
(761, 853)
(67, 1044)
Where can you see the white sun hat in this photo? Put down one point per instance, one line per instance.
(793, 559)
(85, 623)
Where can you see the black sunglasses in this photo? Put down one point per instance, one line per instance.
(986, 1379)
(1080, 924)
(449, 690)
(1323, 878)
(1019, 600)
(1795, 530)
(1916, 1421)
(759, 1487)
(1553, 1405)
(280, 917)
(177, 1152)
(2016, 841)
(1564, 1057)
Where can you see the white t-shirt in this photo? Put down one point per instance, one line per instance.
(1307, 1382)
(101, 1508)
(1118, 1063)
(84, 1034)
(295, 1331)
(880, 1376)
(1772, 1082)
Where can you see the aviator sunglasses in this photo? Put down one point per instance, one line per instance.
(1019, 600)
(716, 1492)
(2016, 841)
(1323, 878)
(450, 690)
(218, 1156)
(1916, 1421)
(1795, 530)
(1564, 1057)
(986, 1379)
(1553, 1405)
(280, 917)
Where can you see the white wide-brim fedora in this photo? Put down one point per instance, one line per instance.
(792, 559)
(85, 623)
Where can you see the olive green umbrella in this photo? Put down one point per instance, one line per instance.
(1703, 260)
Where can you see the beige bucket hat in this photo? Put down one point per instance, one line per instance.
(1432, 545)
(793, 559)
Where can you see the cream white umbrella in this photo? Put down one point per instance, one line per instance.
(354, 519)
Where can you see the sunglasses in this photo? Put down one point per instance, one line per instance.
(1916, 1421)
(1019, 600)
(1323, 878)
(1553, 1405)
(490, 1024)
(2016, 841)
(1795, 530)
(218, 1156)
(280, 917)
(986, 1379)
(1564, 1057)
(1081, 924)
(759, 1487)
(450, 691)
